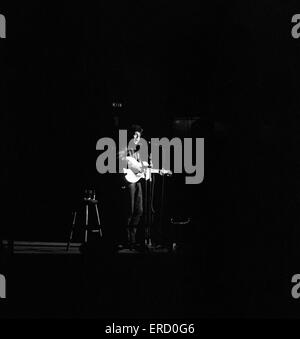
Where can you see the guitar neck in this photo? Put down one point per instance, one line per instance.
(154, 170)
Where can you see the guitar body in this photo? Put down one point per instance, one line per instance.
(131, 177)
(140, 170)
(135, 171)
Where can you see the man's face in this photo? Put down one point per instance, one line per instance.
(136, 137)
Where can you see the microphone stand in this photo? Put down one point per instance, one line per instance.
(148, 203)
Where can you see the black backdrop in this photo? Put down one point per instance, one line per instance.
(232, 64)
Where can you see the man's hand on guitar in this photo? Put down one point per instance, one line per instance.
(137, 170)
(164, 171)
(134, 165)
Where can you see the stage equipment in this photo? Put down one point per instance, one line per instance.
(90, 202)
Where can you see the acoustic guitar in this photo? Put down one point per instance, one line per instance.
(142, 170)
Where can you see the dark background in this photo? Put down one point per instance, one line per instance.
(231, 66)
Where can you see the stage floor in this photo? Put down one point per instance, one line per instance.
(46, 281)
(29, 247)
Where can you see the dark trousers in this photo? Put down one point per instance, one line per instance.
(135, 204)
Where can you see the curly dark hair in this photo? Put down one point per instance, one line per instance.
(135, 128)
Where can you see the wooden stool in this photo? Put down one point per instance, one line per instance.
(89, 202)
